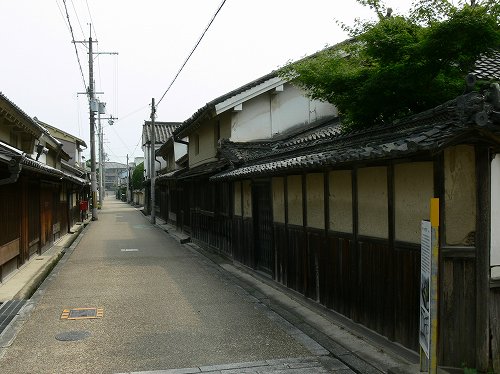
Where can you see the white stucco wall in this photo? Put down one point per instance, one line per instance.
(179, 150)
(274, 112)
(253, 121)
(495, 217)
(207, 151)
(147, 165)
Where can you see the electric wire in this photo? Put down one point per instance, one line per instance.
(62, 15)
(77, 18)
(91, 20)
(135, 148)
(76, 49)
(192, 51)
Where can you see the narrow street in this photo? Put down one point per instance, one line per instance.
(161, 306)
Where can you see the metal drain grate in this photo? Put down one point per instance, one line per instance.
(82, 313)
(8, 310)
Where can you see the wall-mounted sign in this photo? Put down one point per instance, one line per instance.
(425, 283)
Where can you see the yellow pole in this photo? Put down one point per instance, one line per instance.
(434, 285)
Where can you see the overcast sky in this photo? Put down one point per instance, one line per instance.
(248, 39)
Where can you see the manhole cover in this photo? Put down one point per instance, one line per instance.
(82, 313)
(71, 336)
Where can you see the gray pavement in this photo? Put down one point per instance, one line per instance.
(172, 308)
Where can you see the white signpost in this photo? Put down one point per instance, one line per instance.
(425, 291)
(429, 269)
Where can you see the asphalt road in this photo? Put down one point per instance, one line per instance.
(163, 308)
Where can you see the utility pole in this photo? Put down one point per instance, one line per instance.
(93, 107)
(101, 163)
(152, 160)
(93, 182)
(128, 180)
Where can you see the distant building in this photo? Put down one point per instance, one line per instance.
(112, 172)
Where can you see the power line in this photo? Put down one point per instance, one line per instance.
(192, 51)
(73, 40)
(62, 15)
(91, 20)
(77, 18)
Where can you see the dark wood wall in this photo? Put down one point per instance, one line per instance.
(32, 217)
(365, 280)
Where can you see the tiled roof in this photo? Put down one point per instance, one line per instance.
(207, 169)
(164, 130)
(302, 136)
(29, 124)
(466, 116)
(488, 67)
(9, 154)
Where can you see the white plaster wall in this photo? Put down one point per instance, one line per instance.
(179, 151)
(147, 158)
(340, 201)
(207, 149)
(253, 122)
(315, 200)
(495, 217)
(292, 107)
(274, 112)
(294, 202)
(225, 125)
(460, 193)
(413, 189)
(372, 202)
(278, 200)
(147, 152)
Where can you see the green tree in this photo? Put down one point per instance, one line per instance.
(138, 176)
(400, 65)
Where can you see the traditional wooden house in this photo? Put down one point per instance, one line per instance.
(163, 131)
(75, 165)
(260, 109)
(175, 156)
(336, 216)
(33, 188)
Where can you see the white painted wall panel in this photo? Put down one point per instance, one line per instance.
(495, 217)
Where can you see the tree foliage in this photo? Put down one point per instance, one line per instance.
(400, 65)
(138, 176)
